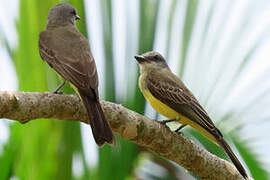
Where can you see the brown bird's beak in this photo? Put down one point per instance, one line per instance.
(140, 59)
(77, 17)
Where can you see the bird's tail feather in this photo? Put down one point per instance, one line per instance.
(100, 127)
(232, 156)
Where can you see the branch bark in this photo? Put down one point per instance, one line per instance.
(145, 132)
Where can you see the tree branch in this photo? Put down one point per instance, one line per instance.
(26, 106)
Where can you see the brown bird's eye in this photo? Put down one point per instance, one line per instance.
(73, 12)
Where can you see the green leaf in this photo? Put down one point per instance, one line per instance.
(117, 162)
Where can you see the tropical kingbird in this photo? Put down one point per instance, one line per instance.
(168, 95)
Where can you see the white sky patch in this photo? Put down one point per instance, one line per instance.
(89, 146)
(175, 45)
(8, 78)
(77, 166)
(132, 40)
(150, 168)
(8, 14)
(119, 46)
(250, 75)
(14, 178)
(95, 33)
(194, 50)
(160, 41)
(4, 134)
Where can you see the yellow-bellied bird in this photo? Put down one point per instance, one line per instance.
(167, 94)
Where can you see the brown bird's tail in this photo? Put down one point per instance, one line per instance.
(100, 127)
(232, 156)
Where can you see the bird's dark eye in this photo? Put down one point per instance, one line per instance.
(73, 12)
(156, 57)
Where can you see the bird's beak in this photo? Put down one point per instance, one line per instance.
(140, 58)
(77, 17)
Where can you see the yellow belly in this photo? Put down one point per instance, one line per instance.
(171, 114)
(161, 107)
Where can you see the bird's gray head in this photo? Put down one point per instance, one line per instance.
(62, 15)
(152, 59)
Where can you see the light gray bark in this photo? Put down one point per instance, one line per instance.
(145, 132)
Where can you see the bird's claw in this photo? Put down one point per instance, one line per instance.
(180, 133)
(164, 122)
(178, 129)
(58, 92)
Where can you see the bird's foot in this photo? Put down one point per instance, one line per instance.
(178, 130)
(56, 91)
(164, 122)
(24, 121)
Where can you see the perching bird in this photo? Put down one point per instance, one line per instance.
(167, 94)
(67, 51)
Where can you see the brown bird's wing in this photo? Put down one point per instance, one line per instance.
(170, 90)
(173, 93)
(68, 53)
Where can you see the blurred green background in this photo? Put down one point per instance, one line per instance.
(219, 48)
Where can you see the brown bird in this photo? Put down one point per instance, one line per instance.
(168, 95)
(68, 52)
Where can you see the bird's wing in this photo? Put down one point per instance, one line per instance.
(68, 53)
(174, 94)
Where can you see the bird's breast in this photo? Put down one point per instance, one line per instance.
(159, 106)
(154, 102)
